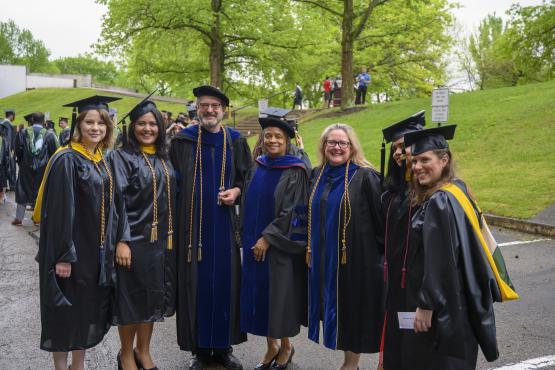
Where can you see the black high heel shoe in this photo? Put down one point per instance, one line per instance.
(139, 364)
(262, 366)
(277, 366)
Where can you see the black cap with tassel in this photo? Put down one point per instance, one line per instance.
(124, 123)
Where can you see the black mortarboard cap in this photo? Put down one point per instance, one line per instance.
(9, 111)
(430, 139)
(415, 122)
(287, 126)
(29, 117)
(142, 104)
(207, 90)
(275, 112)
(93, 102)
(143, 107)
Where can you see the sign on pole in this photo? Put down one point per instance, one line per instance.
(440, 105)
(262, 105)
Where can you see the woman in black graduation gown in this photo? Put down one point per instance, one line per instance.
(273, 289)
(345, 248)
(397, 213)
(77, 235)
(145, 258)
(449, 290)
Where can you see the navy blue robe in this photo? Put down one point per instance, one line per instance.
(346, 298)
(273, 291)
(208, 290)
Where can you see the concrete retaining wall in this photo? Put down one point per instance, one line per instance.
(13, 79)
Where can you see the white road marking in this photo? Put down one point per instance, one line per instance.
(535, 363)
(521, 242)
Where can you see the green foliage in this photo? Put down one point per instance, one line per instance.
(500, 148)
(18, 46)
(104, 72)
(521, 51)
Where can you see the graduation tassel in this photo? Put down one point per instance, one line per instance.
(170, 241)
(403, 277)
(308, 256)
(344, 254)
(124, 133)
(382, 161)
(154, 232)
(189, 253)
(199, 253)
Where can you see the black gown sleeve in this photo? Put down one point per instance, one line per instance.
(288, 230)
(373, 190)
(122, 172)
(56, 244)
(243, 162)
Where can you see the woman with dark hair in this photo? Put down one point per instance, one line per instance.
(145, 195)
(398, 212)
(345, 250)
(273, 289)
(75, 208)
(446, 305)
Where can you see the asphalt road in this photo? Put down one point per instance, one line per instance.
(526, 328)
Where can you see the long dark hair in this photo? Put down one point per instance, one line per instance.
(160, 143)
(395, 181)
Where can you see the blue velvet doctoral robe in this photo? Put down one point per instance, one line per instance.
(273, 291)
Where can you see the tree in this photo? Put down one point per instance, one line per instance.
(101, 71)
(182, 42)
(18, 46)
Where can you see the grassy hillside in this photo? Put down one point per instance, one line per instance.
(502, 146)
(51, 100)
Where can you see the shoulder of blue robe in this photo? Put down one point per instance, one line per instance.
(283, 162)
(191, 133)
(453, 251)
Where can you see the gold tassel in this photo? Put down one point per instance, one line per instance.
(199, 253)
(154, 233)
(308, 257)
(189, 253)
(344, 255)
(170, 241)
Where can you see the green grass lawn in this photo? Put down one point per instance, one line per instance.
(51, 100)
(501, 146)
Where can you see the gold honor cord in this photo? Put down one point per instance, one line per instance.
(154, 226)
(198, 169)
(346, 202)
(102, 201)
(170, 216)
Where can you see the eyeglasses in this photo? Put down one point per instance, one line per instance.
(214, 106)
(342, 144)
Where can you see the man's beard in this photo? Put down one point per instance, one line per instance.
(205, 124)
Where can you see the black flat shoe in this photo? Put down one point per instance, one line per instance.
(262, 366)
(277, 366)
(227, 360)
(139, 364)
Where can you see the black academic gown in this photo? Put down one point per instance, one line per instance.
(9, 134)
(446, 273)
(208, 290)
(4, 162)
(273, 291)
(63, 137)
(75, 312)
(146, 291)
(31, 167)
(346, 298)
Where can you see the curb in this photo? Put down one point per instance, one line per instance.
(521, 225)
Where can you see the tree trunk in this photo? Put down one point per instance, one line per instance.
(347, 41)
(216, 48)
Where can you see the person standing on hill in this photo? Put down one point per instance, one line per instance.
(363, 80)
(33, 148)
(298, 98)
(328, 93)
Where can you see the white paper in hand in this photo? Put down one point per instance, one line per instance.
(406, 320)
